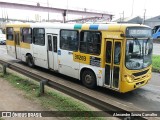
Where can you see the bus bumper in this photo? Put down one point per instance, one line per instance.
(126, 86)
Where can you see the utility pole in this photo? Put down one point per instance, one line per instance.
(132, 8)
(67, 10)
(144, 17)
(2, 15)
(48, 11)
(123, 16)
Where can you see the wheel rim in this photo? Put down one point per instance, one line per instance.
(88, 79)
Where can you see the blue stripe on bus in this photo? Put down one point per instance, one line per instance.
(78, 26)
(93, 27)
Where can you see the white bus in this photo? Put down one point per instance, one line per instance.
(108, 55)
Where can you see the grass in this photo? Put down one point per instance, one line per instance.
(156, 63)
(51, 100)
(156, 40)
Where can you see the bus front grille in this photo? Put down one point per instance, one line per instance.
(140, 73)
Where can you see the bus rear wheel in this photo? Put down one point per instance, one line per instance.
(29, 60)
(89, 79)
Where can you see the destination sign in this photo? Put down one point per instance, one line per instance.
(138, 32)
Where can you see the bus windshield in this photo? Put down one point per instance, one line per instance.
(138, 53)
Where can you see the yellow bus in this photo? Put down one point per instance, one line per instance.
(115, 56)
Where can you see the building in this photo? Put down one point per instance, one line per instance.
(152, 21)
(135, 20)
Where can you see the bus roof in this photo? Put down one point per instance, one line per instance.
(110, 27)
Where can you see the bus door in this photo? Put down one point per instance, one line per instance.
(17, 45)
(112, 64)
(52, 51)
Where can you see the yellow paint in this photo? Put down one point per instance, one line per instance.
(100, 71)
(16, 29)
(126, 85)
(10, 42)
(115, 27)
(25, 45)
(114, 35)
(85, 27)
(17, 25)
(81, 58)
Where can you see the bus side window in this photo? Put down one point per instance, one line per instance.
(55, 43)
(49, 43)
(108, 51)
(90, 42)
(27, 35)
(117, 52)
(69, 40)
(39, 36)
(9, 32)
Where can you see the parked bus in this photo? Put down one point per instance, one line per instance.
(156, 32)
(115, 56)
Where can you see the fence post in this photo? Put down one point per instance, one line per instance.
(42, 83)
(4, 69)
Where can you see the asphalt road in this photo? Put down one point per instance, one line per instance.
(146, 97)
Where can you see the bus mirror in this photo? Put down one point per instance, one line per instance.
(122, 35)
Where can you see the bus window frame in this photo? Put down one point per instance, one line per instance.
(87, 43)
(55, 44)
(10, 34)
(33, 41)
(22, 39)
(78, 39)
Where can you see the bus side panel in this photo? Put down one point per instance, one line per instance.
(40, 52)
(25, 49)
(40, 55)
(11, 48)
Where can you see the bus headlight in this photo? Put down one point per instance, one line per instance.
(129, 78)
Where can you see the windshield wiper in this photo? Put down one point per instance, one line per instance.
(134, 37)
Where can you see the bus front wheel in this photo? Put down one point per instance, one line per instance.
(29, 60)
(89, 79)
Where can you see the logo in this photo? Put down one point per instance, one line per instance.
(6, 114)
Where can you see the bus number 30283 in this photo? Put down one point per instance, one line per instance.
(79, 57)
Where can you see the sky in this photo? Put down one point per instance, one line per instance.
(115, 7)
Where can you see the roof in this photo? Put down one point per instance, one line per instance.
(136, 19)
(115, 27)
(153, 19)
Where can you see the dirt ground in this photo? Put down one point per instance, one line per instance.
(12, 99)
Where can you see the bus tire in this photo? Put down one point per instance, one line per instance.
(29, 60)
(89, 79)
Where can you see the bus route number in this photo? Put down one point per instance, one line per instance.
(79, 57)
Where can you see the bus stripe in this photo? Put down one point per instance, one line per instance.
(78, 26)
(93, 27)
